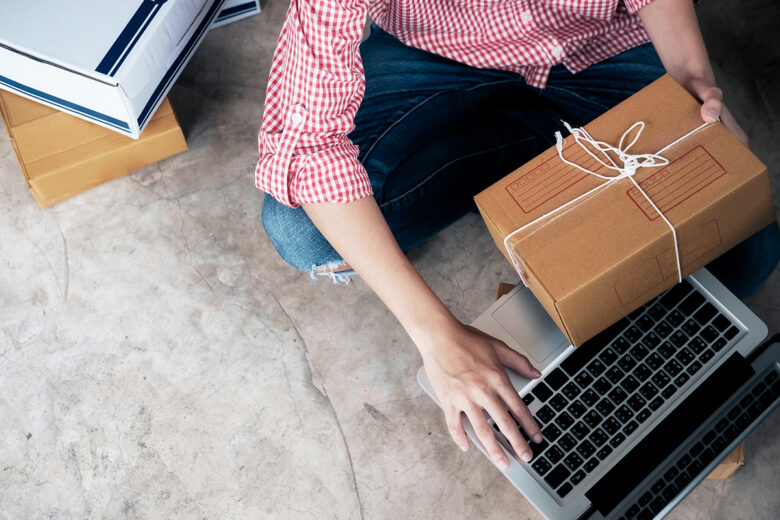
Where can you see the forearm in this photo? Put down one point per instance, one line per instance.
(674, 31)
(358, 231)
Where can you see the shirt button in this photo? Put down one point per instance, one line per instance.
(557, 51)
(296, 119)
(525, 17)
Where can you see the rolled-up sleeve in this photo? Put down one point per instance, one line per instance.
(633, 6)
(315, 87)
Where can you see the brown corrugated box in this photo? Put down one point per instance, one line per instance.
(62, 155)
(609, 254)
(724, 470)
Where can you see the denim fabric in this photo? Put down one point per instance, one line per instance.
(433, 132)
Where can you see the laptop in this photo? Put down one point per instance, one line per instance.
(636, 417)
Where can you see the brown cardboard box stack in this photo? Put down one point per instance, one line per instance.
(601, 258)
(62, 155)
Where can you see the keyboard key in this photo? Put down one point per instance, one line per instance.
(591, 348)
(592, 419)
(556, 379)
(567, 442)
(690, 327)
(636, 313)
(683, 480)
(632, 511)
(674, 295)
(642, 372)
(709, 437)
(706, 355)
(611, 426)
(551, 432)
(643, 415)
(554, 454)
(675, 318)
(624, 414)
(604, 452)
(663, 329)
(684, 356)
(629, 384)
(586, 449)
(645, 322)
(656, 505)
(678, 339)
(528, 399)
(684, 461)
(564, 420)
(666, 350)
(555, 477)
(668, 392)
(583, 379)
(627, 363)
(545, 414)
(694, 367)
(639, 351)
(589, 397)
(673, 367)
(648, 390)
(670, 474)
(661, 379)
(669, 492)
(602, 386)
(734, 413)
(580, 430)
(541, 466)
(721, 323)
(591, 464)
(564, 490)
(681, 379)
(695, 468)
(605, 407)
(645, 498)
(618, 395)
(614, 375)
(571, 391)
(651, 340)
(573, 461)
(697, 345)
(719, 344)
(731, 333)
(705, 313)
(617, 440)
(691, 303)
(541, 391)
(577, 477)
(709, 334)
(629, 428)
(731, 433)
(654, 361)
(721, 425)
(696, 449)
(576, 409)
(633, 334)
(656, 312)
(537, 448)
(558, 402)
(636, 402)
(598, 437)
(608, 357)
(621, 345)
(658, 486)
(656, 403)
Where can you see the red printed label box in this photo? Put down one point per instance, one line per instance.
(610, 252)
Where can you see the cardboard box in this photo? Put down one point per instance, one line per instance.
(110, 62)
(62, 155)
(610, 253)
(234, 10)
(724, 470)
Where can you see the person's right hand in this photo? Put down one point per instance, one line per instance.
(466, 369)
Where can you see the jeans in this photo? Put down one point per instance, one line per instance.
(433, 132)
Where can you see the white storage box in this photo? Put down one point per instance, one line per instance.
(234, 10)
(110, 62)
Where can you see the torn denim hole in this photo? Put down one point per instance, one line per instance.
(339, 278)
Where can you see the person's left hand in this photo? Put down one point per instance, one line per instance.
(712, 107)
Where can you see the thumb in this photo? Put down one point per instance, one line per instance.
(516, 361)
(711, 98)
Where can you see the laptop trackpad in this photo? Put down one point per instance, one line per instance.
(529, 325)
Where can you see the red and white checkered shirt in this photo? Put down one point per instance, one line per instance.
(317, 81)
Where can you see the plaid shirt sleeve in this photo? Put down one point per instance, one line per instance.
(633, 6)
(315, 87)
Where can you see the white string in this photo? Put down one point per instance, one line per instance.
(630, 165)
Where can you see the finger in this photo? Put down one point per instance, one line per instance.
(486, 436)
(711, 103)
(510, 430)
(516, 361)
(521, 412)
(455, 426)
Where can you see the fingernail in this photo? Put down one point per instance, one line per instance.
(526, 456)
(502, 464)
(464, 447)
(537, 438)
(711, 115)
(535, 373)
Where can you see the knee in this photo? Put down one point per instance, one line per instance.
(295, 237)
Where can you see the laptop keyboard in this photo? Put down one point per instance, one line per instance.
(603, 392)
(687, 465)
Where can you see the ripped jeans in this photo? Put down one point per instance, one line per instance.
(432, 133)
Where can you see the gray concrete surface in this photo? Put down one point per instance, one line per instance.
(158, 360)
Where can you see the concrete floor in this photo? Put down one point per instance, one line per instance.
(158, 360)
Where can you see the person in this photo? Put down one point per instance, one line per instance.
(367, 149)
